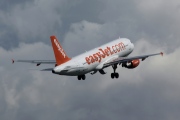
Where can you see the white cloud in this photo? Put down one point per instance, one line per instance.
(151, 7)
(83, 35)
(11, 95)
(34, 19)
(44, 90)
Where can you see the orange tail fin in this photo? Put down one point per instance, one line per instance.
(59, 53)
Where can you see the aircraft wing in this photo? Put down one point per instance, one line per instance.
(128, 59)
(38, 62)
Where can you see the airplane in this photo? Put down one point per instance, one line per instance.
(96, 60)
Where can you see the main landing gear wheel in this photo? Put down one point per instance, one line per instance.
(83, 77)
(114, 75)
(79, 77)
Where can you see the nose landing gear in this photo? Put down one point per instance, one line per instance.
(114, 75)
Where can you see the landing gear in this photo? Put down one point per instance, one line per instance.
(79, 77)
(114, 75)
(83, 77)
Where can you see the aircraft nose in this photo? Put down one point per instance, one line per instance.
(132, 45)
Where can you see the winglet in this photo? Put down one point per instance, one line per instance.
(161, 53)
(12, 61)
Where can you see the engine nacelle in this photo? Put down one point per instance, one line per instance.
(132, 64)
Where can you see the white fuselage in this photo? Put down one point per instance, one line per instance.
(93, 60)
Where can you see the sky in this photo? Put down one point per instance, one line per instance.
(151, 91)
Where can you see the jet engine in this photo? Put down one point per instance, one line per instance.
(132, 64)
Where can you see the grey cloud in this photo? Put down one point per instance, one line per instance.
(6, 5)
(78, 36)
(136, 95)
(150, 91)
(157, 21)
(37, 20)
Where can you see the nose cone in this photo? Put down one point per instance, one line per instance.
(132, 46)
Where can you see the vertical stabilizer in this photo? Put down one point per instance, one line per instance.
(60, 55)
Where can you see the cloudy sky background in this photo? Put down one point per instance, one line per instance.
(149, 92)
